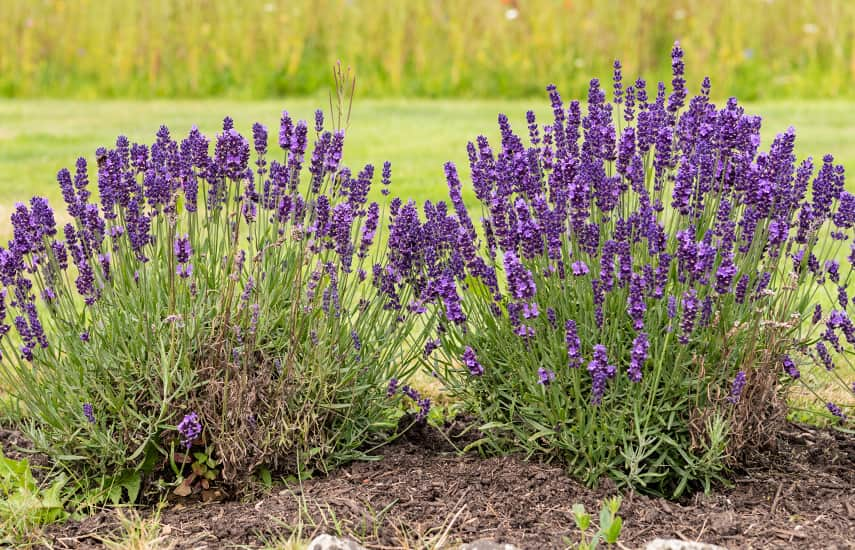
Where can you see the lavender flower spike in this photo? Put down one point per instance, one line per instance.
(392, 388)
(545, 376)
(471, 361)
(88, 413)
(835, 410)
(189, 429)
(790, 367)
(738, 385)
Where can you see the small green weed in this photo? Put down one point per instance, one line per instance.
(24, 505)
(609, 528)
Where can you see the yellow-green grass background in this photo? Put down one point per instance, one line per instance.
(755, 49)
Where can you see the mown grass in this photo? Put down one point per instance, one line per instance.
(38, 137)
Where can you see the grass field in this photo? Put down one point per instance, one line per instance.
(37, 138)
(759, 49)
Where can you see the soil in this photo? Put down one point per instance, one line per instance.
(421, 492)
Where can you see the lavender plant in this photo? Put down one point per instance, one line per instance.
(207, 301)
(642, 283)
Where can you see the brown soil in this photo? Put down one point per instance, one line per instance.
(17, 446)
(802, 497)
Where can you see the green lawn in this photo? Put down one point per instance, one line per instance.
(39, 137)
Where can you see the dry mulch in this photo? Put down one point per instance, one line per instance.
(802, 496)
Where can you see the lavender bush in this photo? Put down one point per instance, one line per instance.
(641, 285)
(207, 300)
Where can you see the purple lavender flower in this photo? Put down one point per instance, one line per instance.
(741, 288)
(184, 270)
(530, 310)
(231, 154)
(545, 376)
(629, 104)
(431, 346)
(832, 267)
(63, 177)
(319, 121)
(817, 314)
(725, 274)
(286, 130)
(835, 410)
(424, 409)
(189, 429)
(183, 250)
(471, 361)
(636, 306)
(824, 356)
(600, 372)
(255, 311)
(447, 290)
(762, 284)
(574, 344)
(259, 139)
(790, 367)
(410, 392)
(639, 355)
(533, 132)
(579, 268)
(525, 332)
(520, 280)
(88, 413)
(736, 389)
(392, 388)
(104, 260)
(550, 316)
(386, 177)
(618, 87)
(672, 306)
(690, 312)
(678, 83)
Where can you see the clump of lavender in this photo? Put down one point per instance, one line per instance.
(189, 263)
(665, 247)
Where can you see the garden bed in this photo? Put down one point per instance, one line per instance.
(800, 496)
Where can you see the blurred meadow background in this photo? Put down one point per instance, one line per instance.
(754, 49)
(432, 74)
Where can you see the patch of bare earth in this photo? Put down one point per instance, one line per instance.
(801, 496)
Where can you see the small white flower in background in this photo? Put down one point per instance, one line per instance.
(579, 62)
(810, 28)
(680, 14)
(512, 14)
(269, 7)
